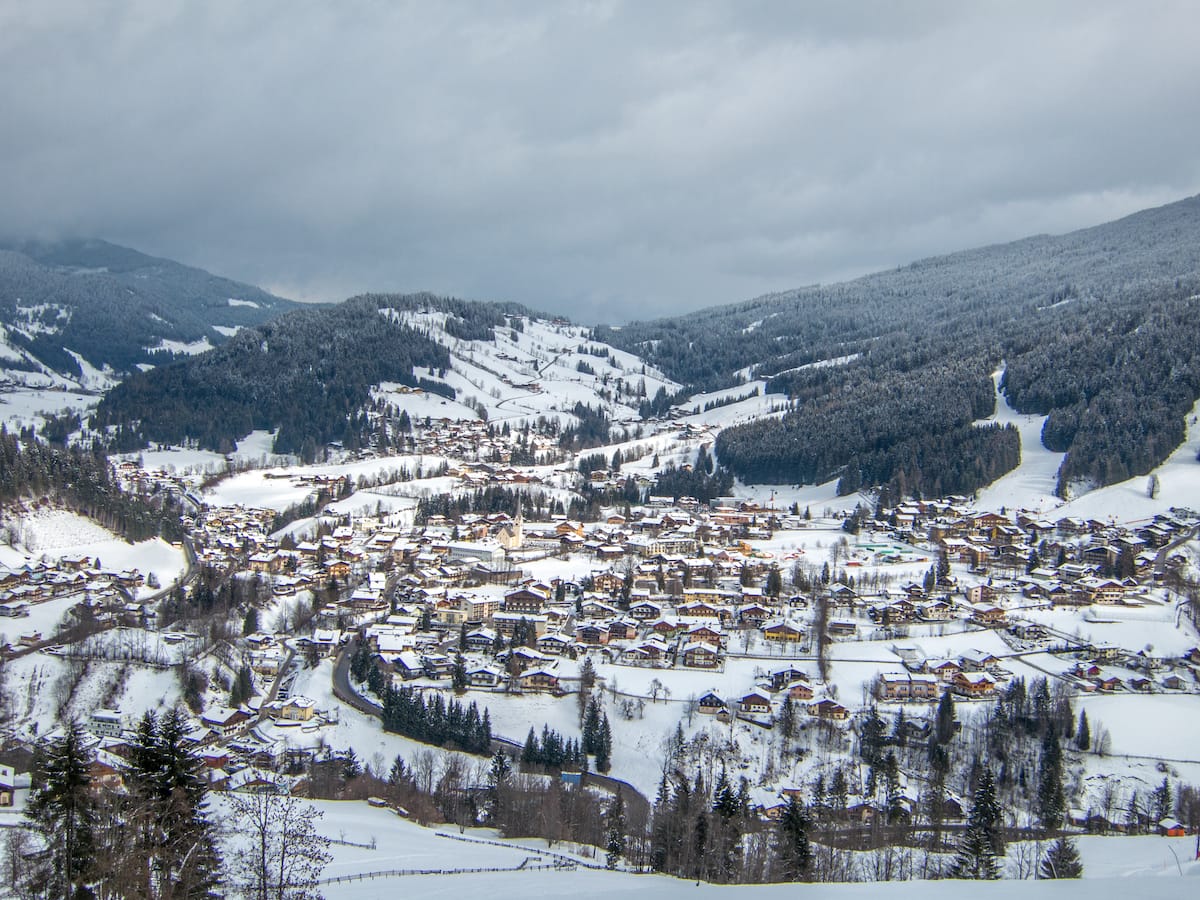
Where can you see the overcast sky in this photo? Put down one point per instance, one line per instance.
(604, 160)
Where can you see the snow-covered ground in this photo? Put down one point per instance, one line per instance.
(1030, 485)
(26, 407)
(55, 533)
(1114, 868)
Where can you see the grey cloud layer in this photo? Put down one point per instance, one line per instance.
(606, 160)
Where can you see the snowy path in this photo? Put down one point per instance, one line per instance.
(1031, 484)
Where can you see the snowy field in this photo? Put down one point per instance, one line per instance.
(26, 407)
(1114, 867)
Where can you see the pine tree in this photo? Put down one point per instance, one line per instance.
(787, 719)
(1162, 799)
(1051, 801)
(943, 729)
(1083, 734)
(63, 811)
(792, 841)
(604, 746)
(458, 675)
(1061, 860)
(976, 856)
(398, 773)
(616, 831)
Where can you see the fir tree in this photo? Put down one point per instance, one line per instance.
(976, 856)
(63, 811)
(1061, 860)
(944, 724)
(1083, 734)
(1051, 801)
(792, 841)
(615, 846)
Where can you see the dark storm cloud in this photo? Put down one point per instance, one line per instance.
(606, 160)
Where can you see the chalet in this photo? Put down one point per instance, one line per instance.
(481, 639)
(710, 704)
(1172, 828)
(755, 704)
(1102, 590)
(506, 623)
(935, 611)
(782, 630)
(437, 665)
(973, 684)
(978, 661)
(780, 678)
(622, 630)
(14, 608)
(665, 627)
(105, 723)
(944, 669)
(594, 609)
(226, 722)
(522, 658)
(526, 600)
(539, 678)
(753, 614)
(645, 610)
(1086, 670)
(699, 656)
(1107, 683)
(706, 634)
(554, 643)
(900, 612)
(407, 665)
(296, 709)
(103, 777)
(701, 610)
(484, 676)
(592, 634)
(650, 651)
(842, 629)
(988, 614)
(906, 686)
(828, 710)
(799, 690)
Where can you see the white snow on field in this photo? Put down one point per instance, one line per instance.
(419, 404)
(227, 330)
(56, 533)
(233, 301)
(1156, 625)
(186, 348)
(177, 460)
(25, 407)
(758, 406)
(541, 370)
(1030, 485)
(1179, 485)
(278, 488)
(1161, 725)
(1114, 868)
(93, 379)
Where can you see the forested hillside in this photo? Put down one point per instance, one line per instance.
(114, 306)
(307, 374)
(1097, 329)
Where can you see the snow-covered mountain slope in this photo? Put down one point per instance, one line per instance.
(78, 313)
(533, 369)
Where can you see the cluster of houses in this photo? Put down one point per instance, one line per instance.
(101, 595)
